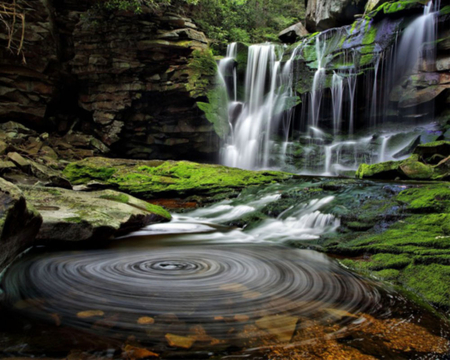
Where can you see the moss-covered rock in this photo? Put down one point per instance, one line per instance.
(418, 166)
(414, 251)
(153, 179)
(81, 216)
(203, 83)
(19, 223)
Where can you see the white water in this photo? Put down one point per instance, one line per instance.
(249, 147)
(300, 222)
(262, 135)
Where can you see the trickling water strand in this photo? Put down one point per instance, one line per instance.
(420, 33)
(337, 93)
(373, 102)
(384, 140)
(232, 53)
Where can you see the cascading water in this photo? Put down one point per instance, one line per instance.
(330, 135)
(250, 145)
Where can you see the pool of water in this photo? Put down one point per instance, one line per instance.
(200, 287)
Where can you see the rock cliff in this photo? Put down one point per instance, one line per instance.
(126, 79)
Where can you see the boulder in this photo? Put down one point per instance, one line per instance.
(70, 216)
(19, 223)
(325, 14)
(433, 148)
(151, 179)
(293, 33)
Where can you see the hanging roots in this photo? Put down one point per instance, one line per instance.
(13, 19)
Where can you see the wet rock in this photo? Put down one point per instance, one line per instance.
(322, 15)
(79, 216)
(415, 97)
(145, 320)
(19, 160)
(281, 326)
(133, 352)
(443, 63)
(156, 179)
(89, 314)
(433, 148)
(293, 33)
(416, 170)
(19, 223)
(180, 341)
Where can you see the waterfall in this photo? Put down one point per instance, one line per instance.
(331, 134)
(250, 146)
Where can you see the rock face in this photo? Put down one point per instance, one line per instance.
(19, 223)
(322, 15)
(27, 89)
(293, 33)
(137, 84)
(127, 80)
(81, 216)
(421, 91)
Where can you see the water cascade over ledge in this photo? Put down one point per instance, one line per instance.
(333, 100)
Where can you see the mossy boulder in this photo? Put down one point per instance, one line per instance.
(19, 223)
(433, 148)
(70, 216)
(159, 179)
(418, 166)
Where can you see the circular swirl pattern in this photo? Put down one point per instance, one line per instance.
(184, 286)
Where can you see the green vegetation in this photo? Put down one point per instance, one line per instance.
(225, 21)
(135, 5)
(150, 179)
(389, 8)
(413, 251)
(202, 69)
(250, 21)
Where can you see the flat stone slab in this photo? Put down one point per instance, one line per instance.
(80, 216)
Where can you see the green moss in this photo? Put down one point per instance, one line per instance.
(370, 34)
(387, 274)
(119, 198)
(367, 171)
(216, 110)
(150, 179)
(158, 210)
(426, 199)
(390, 8)
(80, 174)
(75, 219)
(389, 261)
(445, 10)
(432, 281)
(416, 170)
(202, 66)
(202, 83)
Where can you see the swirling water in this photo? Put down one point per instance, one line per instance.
(200, 287)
